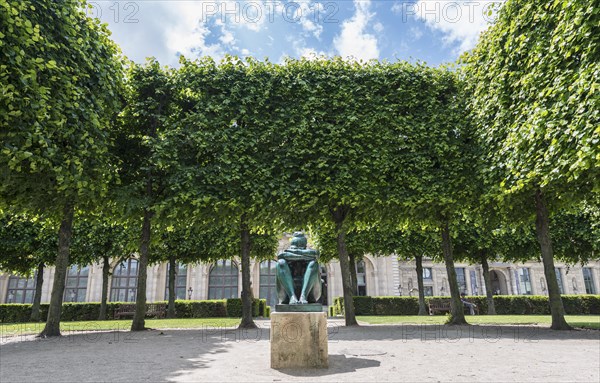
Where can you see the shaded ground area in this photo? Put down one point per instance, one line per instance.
(368, 353)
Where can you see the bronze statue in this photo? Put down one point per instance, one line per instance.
(298, 272)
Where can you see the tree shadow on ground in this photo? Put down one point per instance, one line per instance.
(151, 355)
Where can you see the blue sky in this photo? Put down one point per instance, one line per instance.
(433, 31)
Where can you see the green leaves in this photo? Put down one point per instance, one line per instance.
(25, 242)
(534, 80)
(54, 93)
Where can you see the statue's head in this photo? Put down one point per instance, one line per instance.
(299, 240)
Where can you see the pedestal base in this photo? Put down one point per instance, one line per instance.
(299, 340)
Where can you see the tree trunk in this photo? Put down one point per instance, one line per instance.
(542, 227)
(422, 307)
(139, 323)
(247, 321)
(37, 299)
(60, 272)
(354, 279)
(172, 291)
(457, 314)
(105, 276)
(488, 285)
(339, 216)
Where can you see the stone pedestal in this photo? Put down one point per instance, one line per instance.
(299, 340)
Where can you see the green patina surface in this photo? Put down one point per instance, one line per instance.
(299, 308)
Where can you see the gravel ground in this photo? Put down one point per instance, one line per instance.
(402, 353)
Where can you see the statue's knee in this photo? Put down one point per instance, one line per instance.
(312, 265)
(281, 263)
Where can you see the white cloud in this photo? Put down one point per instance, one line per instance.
(353, 40)
(397, 8)
(460, 21)
(160, 29)
(305, 13)
(310, 53)
(416, 33)
(188, 35)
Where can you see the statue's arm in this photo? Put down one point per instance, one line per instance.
(288, 256)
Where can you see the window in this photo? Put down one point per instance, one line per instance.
(268, 290)
(361, 280)
(223, 280)
(76, 286)
(524, 285)
(428, 291)
(474, 285)
(180, 281)
(588, 280)
(427, 274)
(20, 289)
(461, 278)
(124, 281)
(559, 280)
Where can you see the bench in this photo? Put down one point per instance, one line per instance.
(442, 306)
(157, 310)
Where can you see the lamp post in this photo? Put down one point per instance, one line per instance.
(190, 291)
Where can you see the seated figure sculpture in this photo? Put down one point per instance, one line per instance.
(298, 272)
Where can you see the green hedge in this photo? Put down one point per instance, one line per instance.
(219, 308)
(505, 305)
(17, 313)
(201, 309)
(331, 311)
(234, 307)
(379, 306)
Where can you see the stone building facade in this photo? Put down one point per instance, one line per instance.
(377, 276)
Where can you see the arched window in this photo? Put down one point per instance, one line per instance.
(20, 289)
(223, 280)
(268, 291)
(124, 281)
(76, 286)
(361, 279)
(180, 281)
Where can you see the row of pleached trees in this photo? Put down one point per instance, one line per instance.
(214, 158)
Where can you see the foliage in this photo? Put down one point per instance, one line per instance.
(96, 237)
(220, 308)
(533, 80)
(60, 79)
(234, 307)
(380, 239)
(538, 305)
(505, 305)
(533, 77)
(201, 309)
(141, 142)
(380, 305)
(26, 242)
(576, 234)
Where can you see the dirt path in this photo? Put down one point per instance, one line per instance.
(369, 353)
